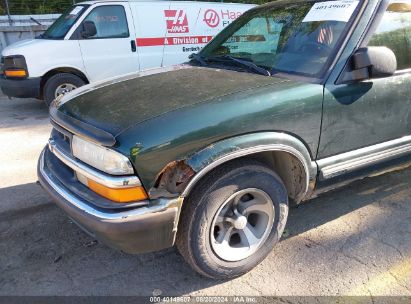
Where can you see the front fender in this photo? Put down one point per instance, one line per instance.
(218, 153)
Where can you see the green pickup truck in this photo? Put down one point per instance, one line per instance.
(292, 99)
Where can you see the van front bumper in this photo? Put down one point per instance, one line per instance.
(21, 88)
(135, 230)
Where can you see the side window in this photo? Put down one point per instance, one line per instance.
(110, 21)
(394, 32)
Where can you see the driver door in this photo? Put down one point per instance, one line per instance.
(374, 111)
(362, 121)
(112, 51)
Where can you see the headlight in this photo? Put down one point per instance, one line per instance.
(14, 66)
(100, 157)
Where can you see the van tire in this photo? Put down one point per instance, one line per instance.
(61, 81)
(197, 226)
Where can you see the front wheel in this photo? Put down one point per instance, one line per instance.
(61, 84)
(233, 219)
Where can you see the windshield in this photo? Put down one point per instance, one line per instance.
(62, 25)
(297, 39)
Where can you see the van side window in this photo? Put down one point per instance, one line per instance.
(259, 35)
(394, 32)
(110, 21)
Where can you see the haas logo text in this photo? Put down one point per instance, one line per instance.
(176, 21)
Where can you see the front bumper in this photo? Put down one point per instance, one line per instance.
(135, 230)
(21, 88)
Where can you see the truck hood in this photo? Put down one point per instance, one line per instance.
(118, 104)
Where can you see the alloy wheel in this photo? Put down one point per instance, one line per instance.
(242, 224)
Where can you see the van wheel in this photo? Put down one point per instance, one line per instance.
(233, 219)
(61, 84)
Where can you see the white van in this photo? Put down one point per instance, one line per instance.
(96, 40)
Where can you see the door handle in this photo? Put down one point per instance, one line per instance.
(133, 46)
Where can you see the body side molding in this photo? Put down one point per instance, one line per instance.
(214, 155)
(357, 159)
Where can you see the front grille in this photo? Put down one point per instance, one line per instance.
(62, 138)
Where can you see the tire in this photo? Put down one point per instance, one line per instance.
(209, 197)
(54, 82)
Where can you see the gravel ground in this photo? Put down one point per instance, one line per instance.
(353, 241)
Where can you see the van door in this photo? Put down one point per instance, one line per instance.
(190, 26)
(112, 50)
(151, 30)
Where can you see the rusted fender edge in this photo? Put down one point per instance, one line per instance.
(214, 155)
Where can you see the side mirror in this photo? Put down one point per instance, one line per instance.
(89, 29)
(371, 62)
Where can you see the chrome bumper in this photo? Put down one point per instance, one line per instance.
(141, 229)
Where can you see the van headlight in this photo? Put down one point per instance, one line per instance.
(14, 66)
(101, 157)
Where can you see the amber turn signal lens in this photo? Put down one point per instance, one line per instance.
(123, 195)
(15, 73)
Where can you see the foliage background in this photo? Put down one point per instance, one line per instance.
(28, 7)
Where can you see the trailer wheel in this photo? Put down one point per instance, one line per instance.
(61, 84)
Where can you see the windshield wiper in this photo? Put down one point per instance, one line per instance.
(251, 66)
(224, 58)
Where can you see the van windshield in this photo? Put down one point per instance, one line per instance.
(62, 25)
(299, 38)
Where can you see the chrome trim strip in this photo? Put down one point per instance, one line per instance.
(360, 158)
(122, 216)
(101, 178)
(249, 151)
(402, 72)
